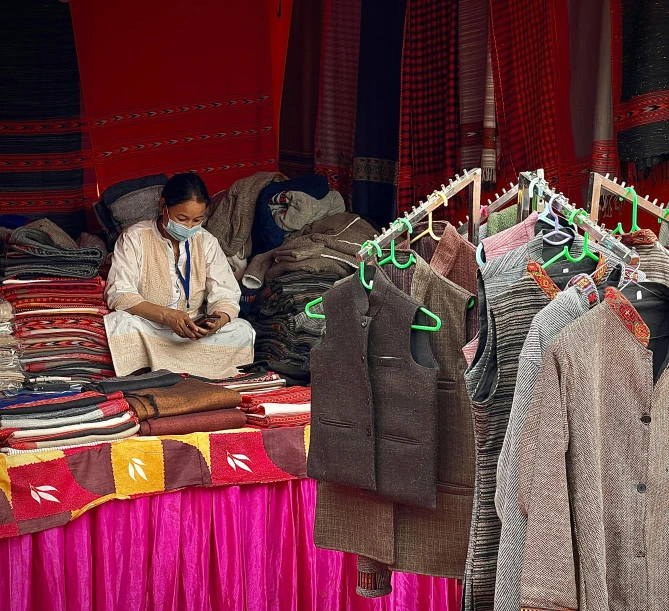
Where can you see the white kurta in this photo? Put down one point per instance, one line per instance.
(136, 343)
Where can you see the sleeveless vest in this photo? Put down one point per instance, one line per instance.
(155, 283)
(374, 407)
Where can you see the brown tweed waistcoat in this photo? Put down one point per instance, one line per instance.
(373, 403)
(410, 539)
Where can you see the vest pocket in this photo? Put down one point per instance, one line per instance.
(340, 423)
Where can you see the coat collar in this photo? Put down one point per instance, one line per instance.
(628, 315)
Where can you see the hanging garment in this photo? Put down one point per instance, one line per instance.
(593, 477)
(335, 125)
(374, 406)
(491, 386)
(377, 126)
(429, 139)
(498, 243)
(640, 80)
(143, 119)
(411, 539)
(564, 309)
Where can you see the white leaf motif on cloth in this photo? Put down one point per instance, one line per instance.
(42, 492)
(135, 466)
(236, 460)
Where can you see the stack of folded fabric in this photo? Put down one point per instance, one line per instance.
(249, 382)
(88, 417)
(278, 285)
(43, 249)
(278, 408)
(59, 322)
(283, 331)
(11, 373)
(187, 407)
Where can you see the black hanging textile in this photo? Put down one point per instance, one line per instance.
(641, 98)
(42, 161)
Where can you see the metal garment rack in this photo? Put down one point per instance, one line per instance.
(500, 202)
(470, 178)
(561, 204)
(599, 183)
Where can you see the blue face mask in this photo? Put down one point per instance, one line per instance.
(181, 232)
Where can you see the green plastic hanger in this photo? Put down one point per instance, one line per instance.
(437, 320)
(361, 272)
(391, 257)
(565, 251)
(635, 206)
(664, 217)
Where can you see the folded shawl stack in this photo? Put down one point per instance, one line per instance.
(278, 408)
(59, 322)
(60, 422)
(43, 249)
(11, 373)
(187, 407)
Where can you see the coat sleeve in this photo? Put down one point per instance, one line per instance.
(223, 292)
(548, 576)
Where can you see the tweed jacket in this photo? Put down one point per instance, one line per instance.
(593, 465)
(373, 405)
(406, 538)
(510, 315)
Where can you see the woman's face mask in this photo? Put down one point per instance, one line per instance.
(178, 230)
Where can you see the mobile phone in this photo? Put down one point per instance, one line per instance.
(205, 318)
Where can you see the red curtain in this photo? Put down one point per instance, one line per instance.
(172, 87)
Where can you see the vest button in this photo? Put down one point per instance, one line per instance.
(369, 432)
(646, 419)
(362, 358)
(641, 488)
(364, 323)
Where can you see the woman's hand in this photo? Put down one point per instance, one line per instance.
(182, 324)
(215, 325)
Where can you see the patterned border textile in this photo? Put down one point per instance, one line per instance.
(375, 170)
(587, 286)
(543, 280)
(39, 490)
(335, 125)
(46, 166)
(628, 315)
(141, 123)
(639, 238)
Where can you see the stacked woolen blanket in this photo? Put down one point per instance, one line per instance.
(59, 322)
(65, 421)
(43, 249)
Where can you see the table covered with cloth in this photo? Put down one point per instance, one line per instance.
(40, 490)
(205, 544)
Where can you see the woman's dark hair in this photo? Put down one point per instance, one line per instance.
(184, 187)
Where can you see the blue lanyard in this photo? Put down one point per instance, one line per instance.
(185, 281)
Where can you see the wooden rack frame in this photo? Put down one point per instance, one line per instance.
(561, 204)
(599, 183)
(470, 179)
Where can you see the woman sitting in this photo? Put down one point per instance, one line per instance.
(165, 274)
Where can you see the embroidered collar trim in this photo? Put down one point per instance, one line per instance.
(628, 315)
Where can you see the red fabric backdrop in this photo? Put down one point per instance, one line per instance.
(171, 87)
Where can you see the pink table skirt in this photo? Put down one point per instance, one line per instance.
(237, 548)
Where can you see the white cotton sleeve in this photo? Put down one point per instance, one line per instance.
(122, 290)
(223, 292)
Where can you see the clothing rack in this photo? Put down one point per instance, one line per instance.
(500, 202)
(599, 183)
(561, 204)
(470, 178)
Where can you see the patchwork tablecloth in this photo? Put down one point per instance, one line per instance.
(41, 490)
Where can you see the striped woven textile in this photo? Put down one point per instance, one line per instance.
(335, 125)
(45, 163)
